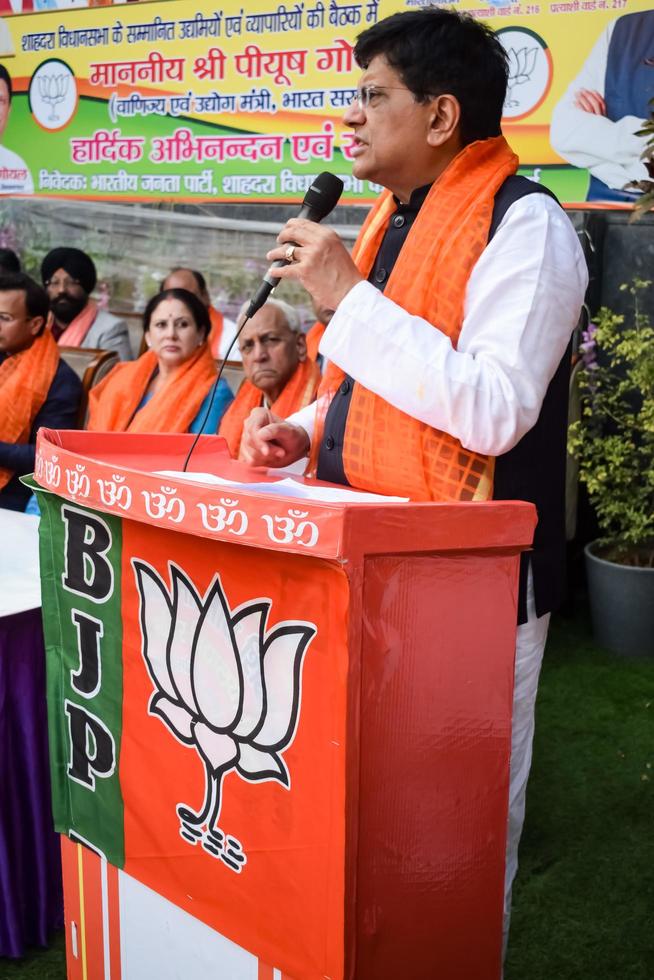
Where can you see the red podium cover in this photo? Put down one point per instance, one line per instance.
(281, 725)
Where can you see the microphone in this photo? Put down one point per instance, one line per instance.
(321, 198)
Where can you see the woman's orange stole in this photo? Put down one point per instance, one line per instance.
(114, 402)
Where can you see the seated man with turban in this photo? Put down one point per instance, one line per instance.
(37, 388)
(223, 330)
(279, 375)
(69, 277)
(9, 261)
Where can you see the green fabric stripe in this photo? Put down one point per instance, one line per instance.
(93, 813)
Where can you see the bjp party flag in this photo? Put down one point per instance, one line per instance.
(190, 701)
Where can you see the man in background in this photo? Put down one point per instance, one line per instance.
(69, 277)
(223, 330)
(37, 388)
(15, 178)
(279, 375)
(9, 261)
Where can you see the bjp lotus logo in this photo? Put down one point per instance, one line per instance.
(223, 684)
(52, 94)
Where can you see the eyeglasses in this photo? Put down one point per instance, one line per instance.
(368, 93)
(62, 283)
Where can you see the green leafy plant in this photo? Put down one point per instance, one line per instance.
(646, 187)
(614, 438)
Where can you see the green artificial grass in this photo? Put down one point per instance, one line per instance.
(42, 964)
(583, 902)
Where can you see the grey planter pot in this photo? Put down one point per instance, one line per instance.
(621, 605)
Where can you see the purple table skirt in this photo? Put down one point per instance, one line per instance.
(31, 903)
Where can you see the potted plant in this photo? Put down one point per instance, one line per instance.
(645, 187)
(613, 442)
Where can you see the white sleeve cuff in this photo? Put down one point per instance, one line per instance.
(306, 418)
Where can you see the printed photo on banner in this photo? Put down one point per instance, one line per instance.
(15, 178)
(596, 122)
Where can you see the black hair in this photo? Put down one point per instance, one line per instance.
(195, 306)
(6, 77)
(36, 298)
(439, 52)
(9, 261)
(199, 278)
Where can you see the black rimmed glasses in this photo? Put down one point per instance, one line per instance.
(367, 95)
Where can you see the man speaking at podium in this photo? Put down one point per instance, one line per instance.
(449, 346)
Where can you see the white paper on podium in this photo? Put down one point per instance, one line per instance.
(289, 487)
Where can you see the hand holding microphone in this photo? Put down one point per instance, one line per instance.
(319, 261)
(319, 200)
(310, 254)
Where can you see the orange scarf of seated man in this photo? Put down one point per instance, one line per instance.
(299, 390)
(216, 335)
(114, 402)
(385, 450)
(25, 380)
(314, 336)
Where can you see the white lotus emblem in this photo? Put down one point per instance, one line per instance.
(53, 89)
(522, 62)
(223, 684)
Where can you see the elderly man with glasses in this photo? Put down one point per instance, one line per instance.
(69, 277)
(449, 346)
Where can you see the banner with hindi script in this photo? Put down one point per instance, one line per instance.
(182, 101)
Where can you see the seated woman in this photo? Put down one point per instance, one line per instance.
(168, 389)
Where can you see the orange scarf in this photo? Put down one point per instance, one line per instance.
(314, 336)
(385, 450)
(114, 402)
(78, 328)
(216, 335)
(299, 390)
(25, 380)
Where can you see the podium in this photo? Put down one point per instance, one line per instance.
(279, 725)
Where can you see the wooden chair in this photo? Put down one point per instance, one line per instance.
(91, 365)
(135, 327)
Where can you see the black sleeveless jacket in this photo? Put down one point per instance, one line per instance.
(533, 470)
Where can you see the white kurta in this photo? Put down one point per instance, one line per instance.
(522, 303)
